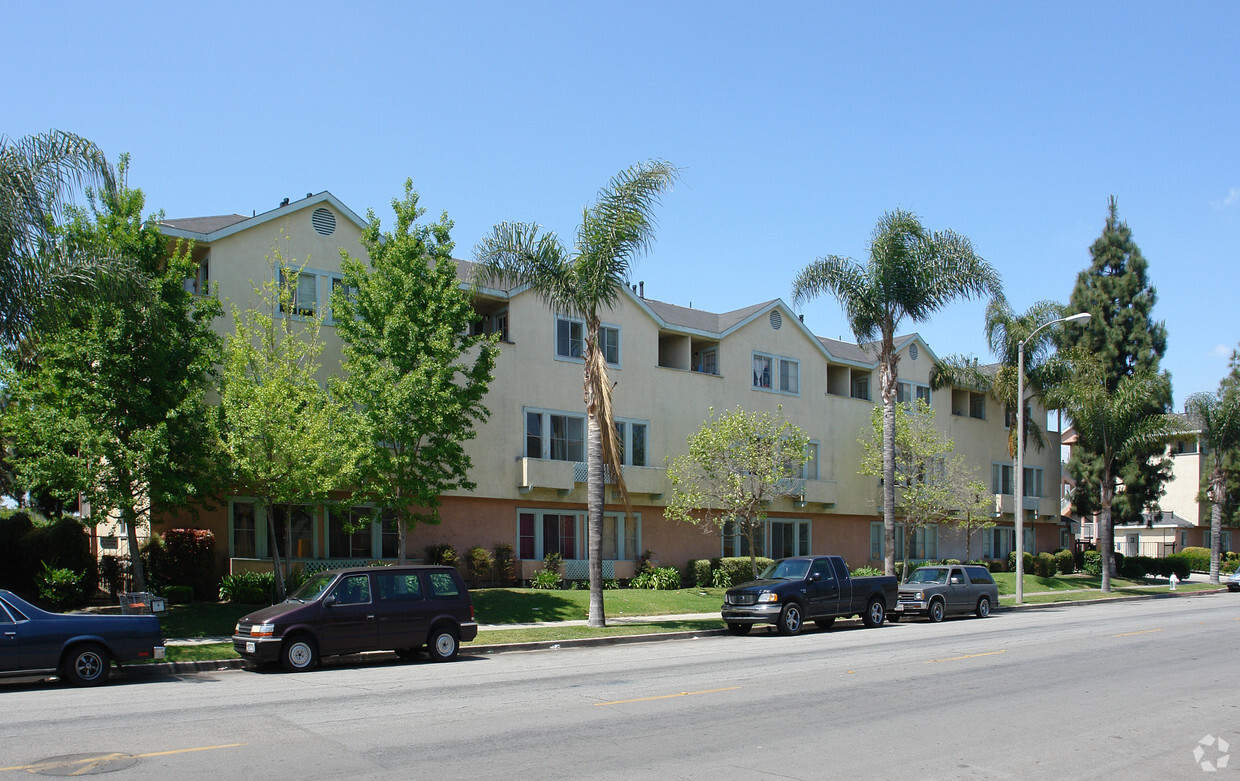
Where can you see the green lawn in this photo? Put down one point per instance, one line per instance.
(1125, 591)
(1006, 581)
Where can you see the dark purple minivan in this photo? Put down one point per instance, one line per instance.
(346, 611)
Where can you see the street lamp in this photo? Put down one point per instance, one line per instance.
(1018, 509)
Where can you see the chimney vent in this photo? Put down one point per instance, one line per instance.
(641, 286)
(284, 202)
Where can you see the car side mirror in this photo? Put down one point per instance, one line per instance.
(955, 581)
(814, 577)
(329, 600)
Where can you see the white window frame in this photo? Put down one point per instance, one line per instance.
(924, 537)
(627, 428)
(375, 529)
(907, 391)
(712, 353)
(604, 330)
(797, 524)
(545, 434)
(812, 466)
(780, 373)
(859, 378)
(540, 515)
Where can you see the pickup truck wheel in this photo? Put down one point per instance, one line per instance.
(739, 629)
(935, 612)
(824, 623)
(443, 644)
(86, 665)
(790, 619)
(983, 607)
(299, 654)
(875, 612)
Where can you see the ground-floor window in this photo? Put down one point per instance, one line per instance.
(242, 529)
(1000, 541)
(783, 537)
(374, 532)
(540, 532)
(925, 544)
(294, 526)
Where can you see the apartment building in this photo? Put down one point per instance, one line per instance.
(670, 364)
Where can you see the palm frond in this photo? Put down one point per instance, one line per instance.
(849, 282)
(960, 371)
(517, 253)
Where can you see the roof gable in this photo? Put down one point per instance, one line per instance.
(209, 229)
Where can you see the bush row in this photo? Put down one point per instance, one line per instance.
(30, 550)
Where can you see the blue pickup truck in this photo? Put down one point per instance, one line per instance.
(808, 588)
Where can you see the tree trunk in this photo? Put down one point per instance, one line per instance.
(595, 488)
(1217, 492)
(888, 382)
(130, 517)
(275, 551)
(1106, 532)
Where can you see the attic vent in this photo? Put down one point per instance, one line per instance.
(777, 320)
(324, 221)
(912, 352)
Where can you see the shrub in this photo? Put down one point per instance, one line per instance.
(480, 561)
(720, 578)
(865, 572)
(1028, 559)
(16, 571)
(60, 588)
(660, 579)
(545, 579)
(1228, 567)
(738, 569)
(700, 570)
(248, 588)
(441, 554)
(1177, 564)
(996, 565)
(112, 570)
(1133, 569)
(179, 595)
(1092, 562)
(1065, 563)
(552, 561)
(643, 562)
(505, 567)
(1045, 565)
(1198, 558)
(1119, 561)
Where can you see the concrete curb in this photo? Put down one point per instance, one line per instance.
(165, 669)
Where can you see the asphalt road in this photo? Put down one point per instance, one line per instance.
(1121, 690)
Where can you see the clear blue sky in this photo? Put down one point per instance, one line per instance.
(797, 126)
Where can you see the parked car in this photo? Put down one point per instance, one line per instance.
(816, 588)
(78, 647)
(940, 591)
(347, 611)
(1233, 581)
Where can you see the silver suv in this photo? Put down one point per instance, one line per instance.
(948, 589)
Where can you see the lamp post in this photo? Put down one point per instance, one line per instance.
(1018, 509)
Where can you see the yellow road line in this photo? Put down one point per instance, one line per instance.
(114, 755)
(1142, 632)
(967, 656)
(668, 696)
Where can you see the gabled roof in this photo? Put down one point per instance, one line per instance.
(209, 229)
(701, 320)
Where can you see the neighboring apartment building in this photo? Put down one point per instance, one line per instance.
(1180, 521)
(671, 364)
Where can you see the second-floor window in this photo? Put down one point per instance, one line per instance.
(809, 470)
(631, 436)
(774, 372)
(907, 391)
(303, 293)
(861, 386)
(570, 339)
(1002, 481)
(555, 436)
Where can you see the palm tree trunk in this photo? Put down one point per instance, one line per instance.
(1106, 533)
(888, 383)
(1217, 492)
(594, 522)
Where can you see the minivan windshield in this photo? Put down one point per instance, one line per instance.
(788, 569)
(929, 575)
(313, 588)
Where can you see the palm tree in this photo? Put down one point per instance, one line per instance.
(1005, 330)
(37, 272)
(613, 232)
(911, 273)
(1216, 416)
(1114, 424)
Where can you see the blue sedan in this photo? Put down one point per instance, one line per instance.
(79, 647)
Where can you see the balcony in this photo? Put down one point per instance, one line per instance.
(1045, 506)
(547, 474)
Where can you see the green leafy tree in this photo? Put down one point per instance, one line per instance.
(975, 508)
(1005, 330)
(286, 439)
(911, 274)
(112, 404)
(1114, 422)
(42, 278)
(928, 474)
(736, 464)
(1231, 457)
(1216, 418)
(583, 282)
(416, 380)
(1123, 334)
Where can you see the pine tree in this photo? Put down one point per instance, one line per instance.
(1116, 290)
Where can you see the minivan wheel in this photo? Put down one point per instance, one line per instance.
(983, 607)
(935, 613)
(299, 654)
(790, 619)
(443, 644)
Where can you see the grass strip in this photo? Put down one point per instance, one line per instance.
(543, 634)
(1127, 591)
